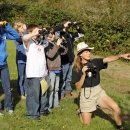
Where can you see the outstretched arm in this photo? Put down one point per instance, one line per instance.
(114, 58)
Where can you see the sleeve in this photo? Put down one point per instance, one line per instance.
(80, 33)
(50, 53)
(11, 33)
(58, 28)
(75, 76)
(100, 64)
(28, 46)
(19, 40)
(63, 50)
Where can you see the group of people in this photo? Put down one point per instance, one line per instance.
(48, 54)
(42, 54)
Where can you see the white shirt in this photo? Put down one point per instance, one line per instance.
(36, 61)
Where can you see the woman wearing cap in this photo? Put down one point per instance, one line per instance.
(86, 77)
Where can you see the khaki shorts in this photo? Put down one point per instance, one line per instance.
(90, 100)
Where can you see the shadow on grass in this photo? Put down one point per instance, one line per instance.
(15, 97)
(106, 116)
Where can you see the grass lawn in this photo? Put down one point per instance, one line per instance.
(115, 80)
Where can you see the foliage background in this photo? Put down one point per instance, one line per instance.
(106, 22)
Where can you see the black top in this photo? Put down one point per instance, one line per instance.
(94, 78)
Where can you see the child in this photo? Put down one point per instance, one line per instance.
(35, 70)
(6, 32)
(53, 52)
(21, 60)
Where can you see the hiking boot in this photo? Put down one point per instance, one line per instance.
(45, 113)
(62, 98)
(23, 97)
(37, 118)
(10, 112)
(121, 128)
(68, 94)
(1, 114)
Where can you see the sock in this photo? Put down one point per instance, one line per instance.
(119, 126)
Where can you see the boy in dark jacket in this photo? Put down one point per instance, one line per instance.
(67, 60)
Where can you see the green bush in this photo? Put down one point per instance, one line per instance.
(106, 23)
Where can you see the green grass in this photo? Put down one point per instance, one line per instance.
(65, 118)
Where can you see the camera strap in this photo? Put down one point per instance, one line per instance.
(90, 90)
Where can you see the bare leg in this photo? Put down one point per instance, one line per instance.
(110, 104)
(85, 118)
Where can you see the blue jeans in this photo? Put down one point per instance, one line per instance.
(36, 103)
(22, 85)
(44, 103)
(54, 90)
(5, 79)
(65, 79)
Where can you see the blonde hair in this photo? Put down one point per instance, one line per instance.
(18, 25)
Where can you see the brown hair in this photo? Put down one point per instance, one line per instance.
(31, 27)
(51, 30)
(63, 21)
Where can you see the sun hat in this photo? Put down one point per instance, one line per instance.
(83, 46)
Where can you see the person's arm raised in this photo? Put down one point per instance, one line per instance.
(114, 58)
(27, 37)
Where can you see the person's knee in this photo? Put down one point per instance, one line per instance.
(116, 108)
(86, 122)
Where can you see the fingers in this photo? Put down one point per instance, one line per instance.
(59, 41)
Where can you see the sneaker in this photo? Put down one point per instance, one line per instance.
(45, 113)
(121, 128)
(34, 118)
(37, 118)
(10, 112)
(1, 114)
(68, 94)
(62, 98)
(58, 106)
(23, 97)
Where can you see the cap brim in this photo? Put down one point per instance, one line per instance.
(87, 48)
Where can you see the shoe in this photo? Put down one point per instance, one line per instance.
(45, 113)
(34, 118)
(37, 118)
(78, 112)
(23, 97)
(1, 114)
(10, 112)
(58, 106)
(121, 128)
(62, 98)
(68, 94)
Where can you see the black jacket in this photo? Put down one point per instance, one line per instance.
(70, 38)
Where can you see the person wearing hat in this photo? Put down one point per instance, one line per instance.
(86, 77)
